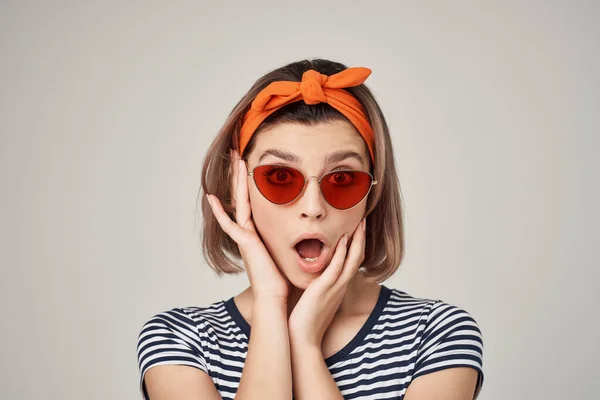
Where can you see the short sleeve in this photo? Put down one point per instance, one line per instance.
(451, 338)
(171, 337)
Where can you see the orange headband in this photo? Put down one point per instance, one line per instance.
(314, 88)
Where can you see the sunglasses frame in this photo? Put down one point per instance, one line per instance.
(373, 182)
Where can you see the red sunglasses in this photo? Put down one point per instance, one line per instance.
(342, 189)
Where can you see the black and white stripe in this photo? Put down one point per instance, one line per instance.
(403, 339)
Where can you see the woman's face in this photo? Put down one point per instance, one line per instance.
(280, 225)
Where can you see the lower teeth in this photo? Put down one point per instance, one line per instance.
(310, 259)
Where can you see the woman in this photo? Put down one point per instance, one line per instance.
(301, 186)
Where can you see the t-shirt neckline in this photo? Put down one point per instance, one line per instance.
(382, 300)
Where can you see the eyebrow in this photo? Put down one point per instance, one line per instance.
(331, 158)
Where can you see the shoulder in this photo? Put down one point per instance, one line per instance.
(179, 336)
(178, 319)
(431, 314)
(445, 334)
(188, 330)
(180, 329)
(190, 318)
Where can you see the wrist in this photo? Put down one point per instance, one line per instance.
(303, 344)
(270, 302)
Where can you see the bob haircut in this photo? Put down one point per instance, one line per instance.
(384, 247)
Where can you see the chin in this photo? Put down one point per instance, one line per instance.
(300, 279)
(301, 284)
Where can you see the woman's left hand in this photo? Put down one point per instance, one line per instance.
(316, 308)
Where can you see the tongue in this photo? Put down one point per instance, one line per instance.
(309, 248)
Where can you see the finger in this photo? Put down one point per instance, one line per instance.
(233, 176)
(227, 224)
(242, 200)
(332, 272)
(356, 253)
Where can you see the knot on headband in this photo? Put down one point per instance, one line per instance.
(313, 89)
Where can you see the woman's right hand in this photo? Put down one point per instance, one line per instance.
(265, 279)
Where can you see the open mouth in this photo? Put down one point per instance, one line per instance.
(309, 249)
(311, 254)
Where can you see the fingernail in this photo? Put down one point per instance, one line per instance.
(209, 199)
(364, 224)
(345, 239)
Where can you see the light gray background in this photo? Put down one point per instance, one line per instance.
(107, 109)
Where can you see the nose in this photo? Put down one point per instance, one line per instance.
(312, 204)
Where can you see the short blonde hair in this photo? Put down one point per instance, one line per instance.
(384, 248)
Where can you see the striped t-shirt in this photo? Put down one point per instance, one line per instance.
(403, 338)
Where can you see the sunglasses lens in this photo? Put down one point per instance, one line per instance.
(278, 184)
(345, 189)
(341, 189)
